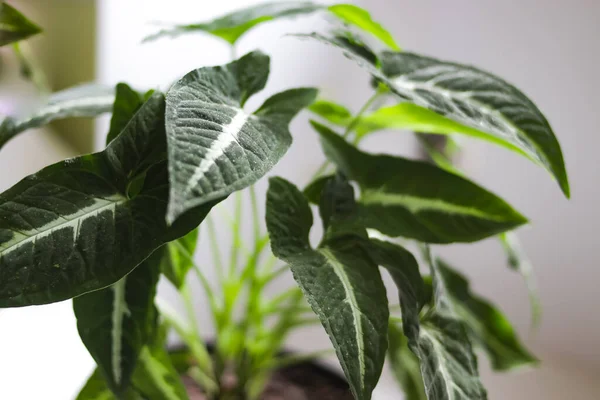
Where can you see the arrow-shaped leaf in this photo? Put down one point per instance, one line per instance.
(231, 27)
(71, 228)
(215, 147)
(89, 100)
(469, 96)
(340, 283)
(401, 197)
(117, 322)
(14, 26)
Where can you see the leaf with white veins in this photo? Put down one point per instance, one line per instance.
(340, 282)
(88, 100)
(401, 197)
(215, 147)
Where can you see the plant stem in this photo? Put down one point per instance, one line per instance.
(30, 69)
(351, 126)
(215, 250)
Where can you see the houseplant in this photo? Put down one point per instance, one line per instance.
(101, 228)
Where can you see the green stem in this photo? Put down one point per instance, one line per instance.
(215, 250)
(237, 240)
(351, 126)
(30, 69)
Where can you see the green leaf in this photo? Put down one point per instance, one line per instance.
(401, 197)
(361, 18)
(215, 147)
(96, 389)
(127, 103)
(314, 189)
(231, 27)
(405, 365)
(340, 283)
(467, 95)
(89, 100)
(155, 375)
(176, 262)
(518, 261)
(115, 323)
(404, 269)
(14, 26)
(331, 112)
(448, 363)
(70, 228)
(480, 100)
(486, 324)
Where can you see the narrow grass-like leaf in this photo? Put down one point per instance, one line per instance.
(176, 262)
(70, 228)
(117, 322)
(486, 324)
(89, 100)
(401, 197)
(340, 283)
(14, 26)
(469, 96)
(231, 27)
(331, 112)
(361, 18)
(405, 365)
(215, 147)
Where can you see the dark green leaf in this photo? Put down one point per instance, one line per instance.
(405, 365)
(215, 147)
(117, 322)
(486, 324)
(232, 26)
(448, 363)
(96, 389)
(401, 197)
(14, 26)
(518, 261)
(361, 18)
(332, 112)
(176, 262)
(155, 375)
(314, 189)
(404, 269)
(88, 100)
(340, 283)
(127, 103)
(70, 228)
(468, 96)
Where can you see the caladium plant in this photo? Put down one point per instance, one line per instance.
(102, 228)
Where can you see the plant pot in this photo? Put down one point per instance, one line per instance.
(301, 381)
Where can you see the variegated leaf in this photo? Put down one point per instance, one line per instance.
(401, 197)
(115, 323)
(340, 282)
(71, 228)
(405, 365)
(215, 146)
(88, 100)
(96, 389)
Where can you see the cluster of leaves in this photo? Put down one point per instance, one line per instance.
(102, 228)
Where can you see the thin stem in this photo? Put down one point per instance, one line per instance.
(215, 250)
(30, 69)
(235, 245)
(351, 126)
(255, 217)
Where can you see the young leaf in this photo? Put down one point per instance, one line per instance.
(361, 18)
(14, 26)
(176, 261)
(332, 112)
(117, 322)
(215, 147)
(232, 26)
(405, 365)
(468, 96)
(89, 100)
(485, 323)
(401, 197)
(155, 375)
(96, 389)
(127, 103)
(70, 228)
(340, 283)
